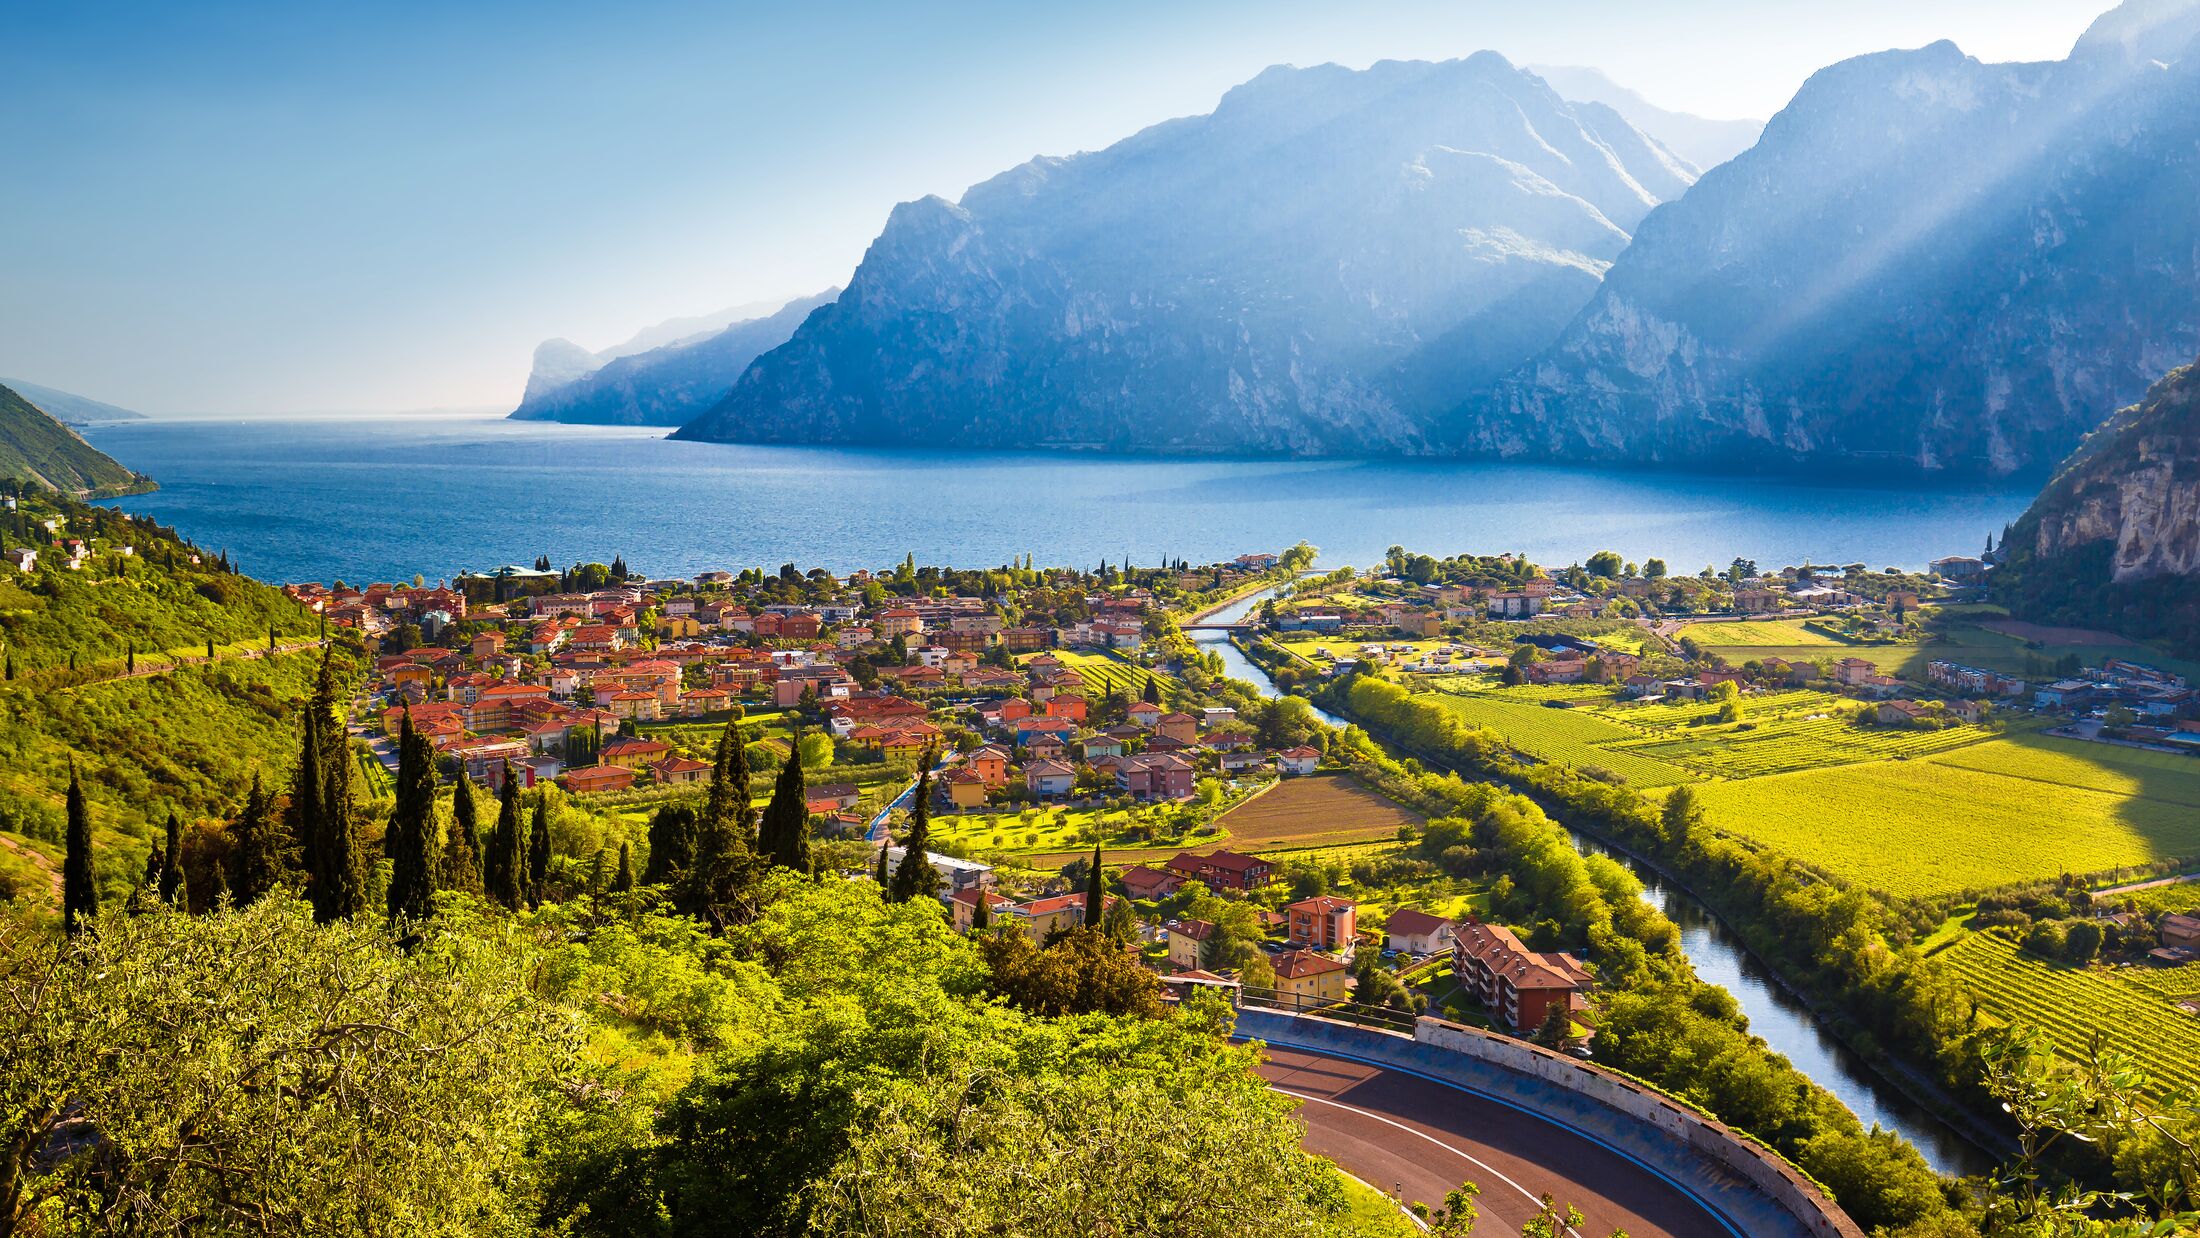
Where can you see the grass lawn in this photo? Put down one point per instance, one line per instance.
(2015, 809)
(1373, 1214)
(2071, 1004)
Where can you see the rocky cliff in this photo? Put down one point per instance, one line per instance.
(1319, 265)
(2114, 539)
(1926, 264)
(663, 386)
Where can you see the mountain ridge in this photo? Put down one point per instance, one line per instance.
(67, 407)
(672, 383)
(36, 448)
(1703, 141)
(1302, 270)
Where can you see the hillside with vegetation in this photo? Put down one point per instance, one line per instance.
(38, 450)
(2114, 540)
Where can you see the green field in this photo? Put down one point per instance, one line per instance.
(2071, 1004)
(1781, 732)
(1950, 823)
(1785, 633)
(1104, 673)
(1577, 737)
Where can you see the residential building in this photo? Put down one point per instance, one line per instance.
(1148, 884)
(1187, 939)
(1222, 870)
(1517, 985)
(1304, 978)
(590, 778)
(1412, 931)
(1324, 922)
(1300, 760)
(1049, 779)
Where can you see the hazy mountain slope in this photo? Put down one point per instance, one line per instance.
(68, 408)
(2114, 540)
(36, 448)
(561, 361)
(1926, 263)
(672, 384)
(1702, 142)
(1316, 266)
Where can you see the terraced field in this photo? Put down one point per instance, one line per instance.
(1577, 737)
(2070, 1004)
(1927, 827)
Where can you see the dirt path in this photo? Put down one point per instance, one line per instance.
(2155, 884)
(38, 860)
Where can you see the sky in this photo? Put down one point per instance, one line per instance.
(260, 208)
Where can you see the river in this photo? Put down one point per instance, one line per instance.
(1774, 1014)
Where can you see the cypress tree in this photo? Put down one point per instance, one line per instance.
(411, 837)
(538, 852)
(671, 845)
(339, 885)
(260, 847)
(915, 877)
(723, 852)
(884, 888)
(624, 882)
(79, 895)
(1096, 899)
(507, 869)
(981, 917)
(461, 866)
(129, 659)
(306, 789)
(785, 831)
(171, 865)
(1152, 694)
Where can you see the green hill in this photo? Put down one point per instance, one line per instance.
(67, 407)
(2114, 540)
(37, 449)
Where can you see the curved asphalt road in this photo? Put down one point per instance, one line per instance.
(1389, 1128)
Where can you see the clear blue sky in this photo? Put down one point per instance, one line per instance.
(253, 208)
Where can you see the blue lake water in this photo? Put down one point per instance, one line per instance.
(382, 499)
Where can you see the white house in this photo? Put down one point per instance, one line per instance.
(1418, 932)
(1300, 760)
(21, 558)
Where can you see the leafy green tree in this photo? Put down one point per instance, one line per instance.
(255, 1073)
(1682, 816)
(1457, 1217)
(79, 892)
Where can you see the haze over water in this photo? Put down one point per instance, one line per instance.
(384, 499)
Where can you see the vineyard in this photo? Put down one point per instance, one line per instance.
(1800, 741)
(1575, 737)
(2071, 1004)
(1929, 827)
(2169, 777)
(1103, 674)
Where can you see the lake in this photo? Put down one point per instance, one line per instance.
(386, 498)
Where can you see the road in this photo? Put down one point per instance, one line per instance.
(1394, 1129)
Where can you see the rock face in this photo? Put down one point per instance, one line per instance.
(1925, 264)
(1319, 265)
(2114, 539)
(664, 386)
(1702, 142)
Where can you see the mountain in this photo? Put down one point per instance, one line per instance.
(1926, 264)
(560, 361)
(671, 384)
(1318, 265)
(36, 448)
(1703, 143)
(2114, 539)
(74, 410)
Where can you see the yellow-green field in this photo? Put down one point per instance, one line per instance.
(1104, 673)
(1577, 737)
(1784, 633)
(2014, 809)
(1780, 732)
(2071, 1004)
